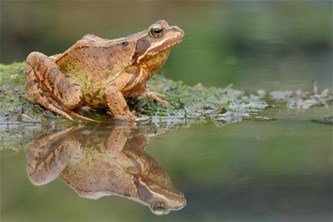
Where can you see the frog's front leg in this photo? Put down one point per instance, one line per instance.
(49, 87)
(116, 100)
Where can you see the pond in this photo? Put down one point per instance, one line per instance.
(277, 168)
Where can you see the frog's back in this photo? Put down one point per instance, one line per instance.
(93, 63)
(91, 57)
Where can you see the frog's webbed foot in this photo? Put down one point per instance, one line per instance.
(143, 92)
(129, 118)
(158, 97)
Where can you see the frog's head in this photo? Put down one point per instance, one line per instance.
(153, 45)
(157, 192)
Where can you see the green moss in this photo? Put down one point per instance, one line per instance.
(198, 102)
(184, 101)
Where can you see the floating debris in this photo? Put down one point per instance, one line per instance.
(302, 100)
(324, 120)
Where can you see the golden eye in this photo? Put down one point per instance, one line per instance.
(156, 31)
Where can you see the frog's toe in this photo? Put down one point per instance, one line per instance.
(158, 97)
(142, 119)
(129, 118)
(133, 112)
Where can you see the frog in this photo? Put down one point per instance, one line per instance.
(99, 73)
(97, 161)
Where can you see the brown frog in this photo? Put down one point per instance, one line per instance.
(101, 73)
(98, 161)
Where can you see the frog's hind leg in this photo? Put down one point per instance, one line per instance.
(52, 80)
(49, 87)
(38, 96)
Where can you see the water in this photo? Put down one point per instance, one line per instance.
(248, 171)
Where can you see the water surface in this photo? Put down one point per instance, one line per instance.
(248, 171)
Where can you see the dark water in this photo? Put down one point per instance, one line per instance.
(248, 171)
(277, 170)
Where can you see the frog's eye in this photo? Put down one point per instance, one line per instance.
(158, 208)
(156, 31)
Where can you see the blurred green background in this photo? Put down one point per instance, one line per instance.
(252, 44)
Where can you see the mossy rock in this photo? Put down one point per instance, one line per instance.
(21, 120)
(184, 101)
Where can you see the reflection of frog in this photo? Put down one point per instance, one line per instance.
(101, 73)
(99, 161)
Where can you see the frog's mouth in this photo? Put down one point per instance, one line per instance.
(160, 48)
